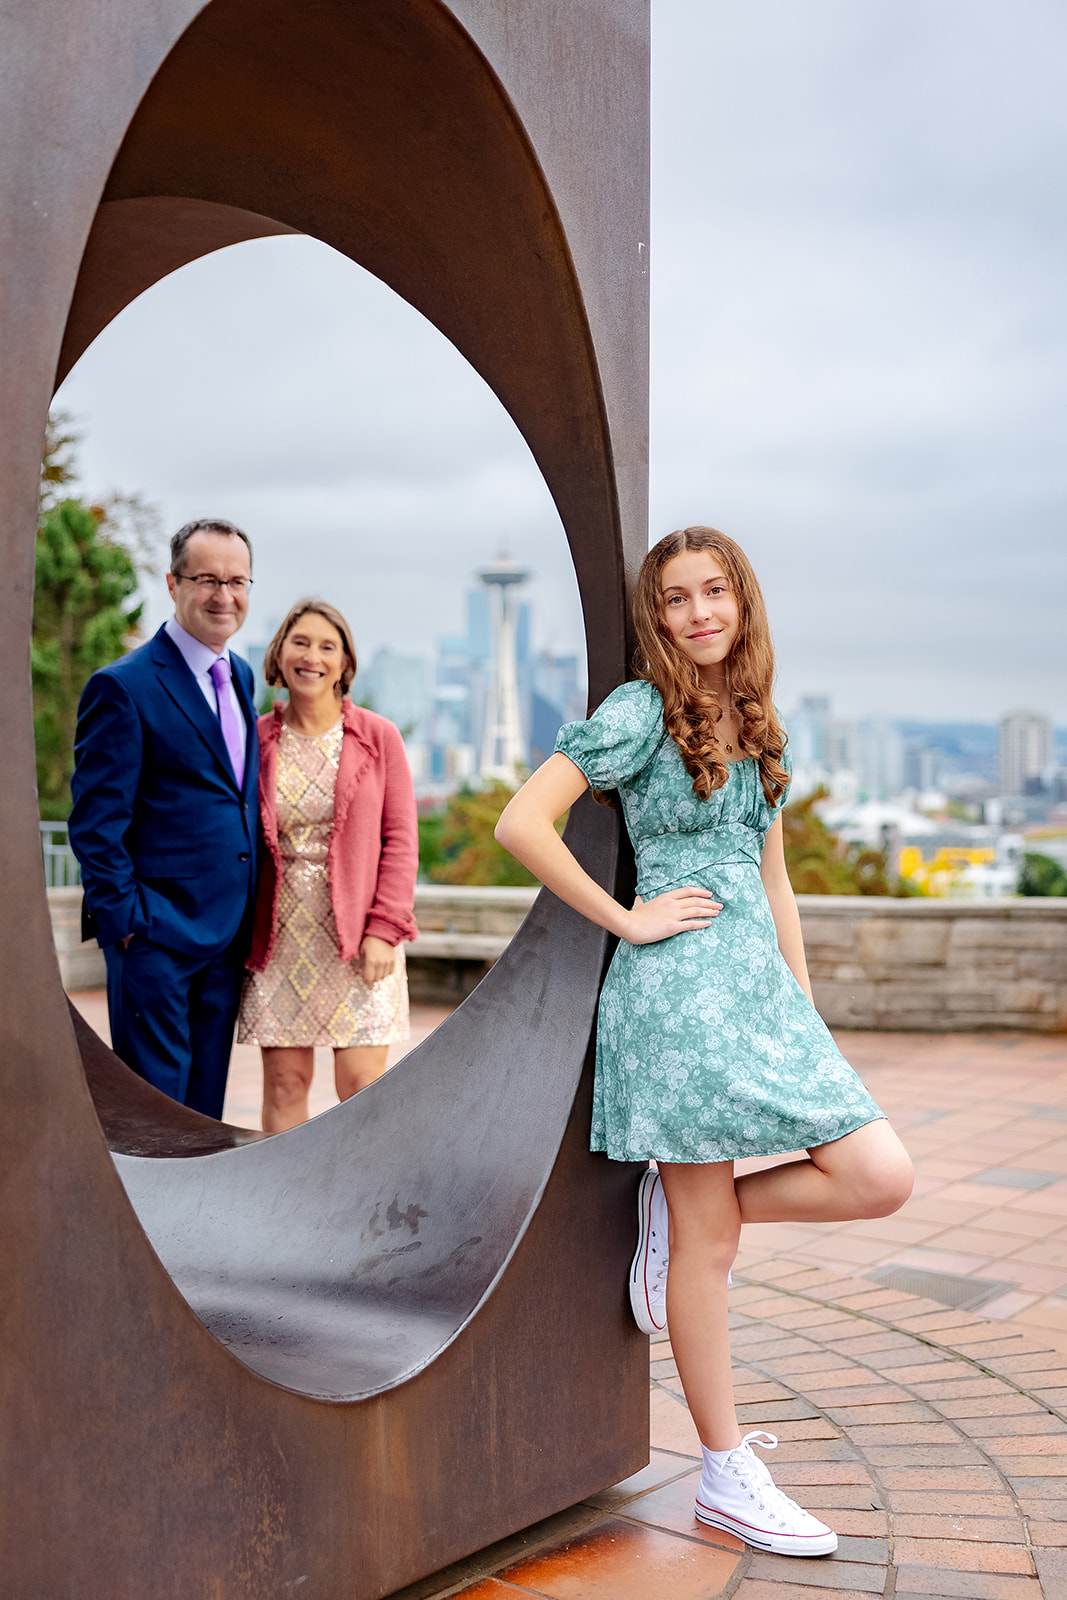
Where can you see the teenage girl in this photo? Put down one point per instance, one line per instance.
(709, 1047)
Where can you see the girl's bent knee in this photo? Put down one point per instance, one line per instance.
(888, 1186)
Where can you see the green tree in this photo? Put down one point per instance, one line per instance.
(456, 845)
(818, 862)
(87, 562)
(81, 621)
(466, 849)
(1041, 875)
(430, 853)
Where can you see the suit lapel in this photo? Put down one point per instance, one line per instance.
(187, 695)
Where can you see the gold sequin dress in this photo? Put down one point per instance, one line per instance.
(308, 995)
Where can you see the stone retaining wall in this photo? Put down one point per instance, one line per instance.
(923, 965)
(461, 933)
(937, 965)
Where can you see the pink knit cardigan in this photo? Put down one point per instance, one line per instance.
(373, 854)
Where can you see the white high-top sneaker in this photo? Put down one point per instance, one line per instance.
(742, 1497)
(648, 1272)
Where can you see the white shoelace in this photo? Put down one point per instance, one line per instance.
(754, 1477)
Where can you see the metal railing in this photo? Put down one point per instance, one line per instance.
(61, 869)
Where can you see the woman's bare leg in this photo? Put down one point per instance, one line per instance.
(357, 1066)
(287, 1075)
(705, 1225)
(867, 1173)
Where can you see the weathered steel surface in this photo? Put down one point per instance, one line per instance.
(329, 1362)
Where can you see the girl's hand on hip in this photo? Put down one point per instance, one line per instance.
(677, 911)
(376, 959)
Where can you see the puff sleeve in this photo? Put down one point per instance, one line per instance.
(619, 739)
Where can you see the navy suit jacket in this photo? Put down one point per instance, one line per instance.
(165, 836)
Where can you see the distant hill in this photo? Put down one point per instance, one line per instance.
(960, 739)
(970, 747)
(963, 739)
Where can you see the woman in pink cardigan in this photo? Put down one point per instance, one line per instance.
(337, 886)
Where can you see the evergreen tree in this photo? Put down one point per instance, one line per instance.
(82, 618)
(81, 621)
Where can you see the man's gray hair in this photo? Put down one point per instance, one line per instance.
(204, 525)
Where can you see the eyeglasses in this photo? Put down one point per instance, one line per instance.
(207, 583)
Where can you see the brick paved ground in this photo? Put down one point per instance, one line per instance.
(934, 1440)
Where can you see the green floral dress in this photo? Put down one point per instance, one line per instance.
(707, 1047)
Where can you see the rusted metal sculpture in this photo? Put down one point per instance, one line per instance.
(333, 1361)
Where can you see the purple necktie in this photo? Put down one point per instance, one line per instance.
(231, 730)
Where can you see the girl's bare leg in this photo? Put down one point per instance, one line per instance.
(736, 1491)
(705, 1225)
(357, 1066)
(287, 1075)
(867, 1173)
(864, 1174)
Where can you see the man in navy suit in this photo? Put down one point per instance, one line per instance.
(164, 823)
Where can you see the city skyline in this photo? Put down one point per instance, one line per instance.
(441, 701)
(447, 704)
(253, 641)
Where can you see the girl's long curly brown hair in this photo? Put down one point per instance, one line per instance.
(690, 711)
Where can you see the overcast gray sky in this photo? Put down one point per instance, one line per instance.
(859, 369)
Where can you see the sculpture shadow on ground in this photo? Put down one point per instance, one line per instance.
(339, 1358)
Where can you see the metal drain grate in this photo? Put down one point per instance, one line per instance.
(949, 1288)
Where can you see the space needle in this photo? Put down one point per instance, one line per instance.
(502, 745)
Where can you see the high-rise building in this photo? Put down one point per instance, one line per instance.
(397, 687)
(503, 745)
(881, 758)
(841, 741)
(821, 746)
(1024, 750)
(807, 733)
(479, 641)
(922, 765)
(557, 697)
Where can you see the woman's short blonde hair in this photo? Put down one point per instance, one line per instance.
(319, 608)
